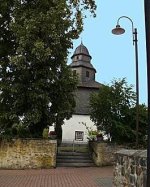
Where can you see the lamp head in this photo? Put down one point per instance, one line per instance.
(118, 30)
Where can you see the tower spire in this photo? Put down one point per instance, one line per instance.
(81, 42)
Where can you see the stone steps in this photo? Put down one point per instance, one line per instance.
(73, 159)
(75, 165)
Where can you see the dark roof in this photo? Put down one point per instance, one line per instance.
(82, 64)
(90, 84)
(82, 98)
(81, 49)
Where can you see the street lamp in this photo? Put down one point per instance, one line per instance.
(147, 27)
(117, 31)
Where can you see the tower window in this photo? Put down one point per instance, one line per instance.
(74, 72)
(87, 74)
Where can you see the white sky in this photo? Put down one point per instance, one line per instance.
(114, 56)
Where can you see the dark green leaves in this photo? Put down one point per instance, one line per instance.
(113, 111)
(36, 85)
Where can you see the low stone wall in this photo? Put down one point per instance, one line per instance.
(130, 168)
(28, 153)
(103, 154)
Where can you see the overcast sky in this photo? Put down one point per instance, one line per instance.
(114, 56)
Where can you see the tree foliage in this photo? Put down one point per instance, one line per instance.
(113, 110)
(36, 85)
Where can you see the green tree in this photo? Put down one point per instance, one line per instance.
(143, 124)
(36, 85)
(7, 48)
(113, 111)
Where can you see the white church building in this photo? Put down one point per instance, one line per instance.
(74, 128)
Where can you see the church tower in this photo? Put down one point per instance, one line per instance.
(81, 65)
(73, 129)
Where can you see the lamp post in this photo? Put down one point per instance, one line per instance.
(147, 26)
(117, 31)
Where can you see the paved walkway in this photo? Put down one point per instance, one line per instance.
(59, 177)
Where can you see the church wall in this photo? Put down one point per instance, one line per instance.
(78, 72)
(75, 124)
(81, 72)
(85, 58)
(91, 75)
(82, 57)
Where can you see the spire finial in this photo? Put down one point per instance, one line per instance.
(81, 42)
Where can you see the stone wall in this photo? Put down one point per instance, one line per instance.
(103, 154)
(130, 168)
(28, 153)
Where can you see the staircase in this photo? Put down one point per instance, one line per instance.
(73, 158)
